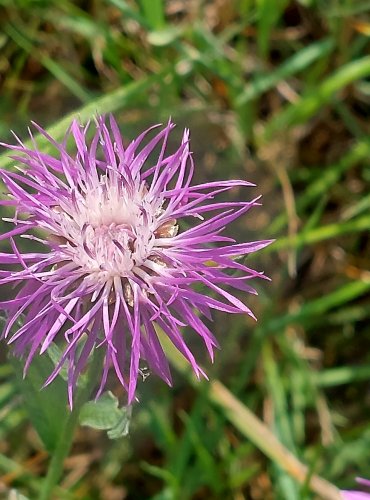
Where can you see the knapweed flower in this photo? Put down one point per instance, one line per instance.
(357, 495)
(128, 245)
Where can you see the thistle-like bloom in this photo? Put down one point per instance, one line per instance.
(357, 495)
(126, 242)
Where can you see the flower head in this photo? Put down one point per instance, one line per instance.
(357, 495)
(125, 240)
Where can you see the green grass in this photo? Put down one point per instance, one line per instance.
(273, 91)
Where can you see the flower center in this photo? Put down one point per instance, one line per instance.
(108, 248)
(110, 230)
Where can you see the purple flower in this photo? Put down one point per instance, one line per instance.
(118, 253)
(357, 495)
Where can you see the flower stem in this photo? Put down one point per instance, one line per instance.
(66, 436)
(61, 452)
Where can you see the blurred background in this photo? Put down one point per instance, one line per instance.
(276, 92)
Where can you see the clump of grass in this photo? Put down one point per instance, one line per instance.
(275, 91)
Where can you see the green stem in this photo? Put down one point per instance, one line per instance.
(66, 436)
(60, 453)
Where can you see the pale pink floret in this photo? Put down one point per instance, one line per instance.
(117, 259)
(357, 495)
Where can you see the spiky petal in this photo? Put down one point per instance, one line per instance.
(358, 495)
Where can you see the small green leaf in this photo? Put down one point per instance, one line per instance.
(122, 427)
(105, 414)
